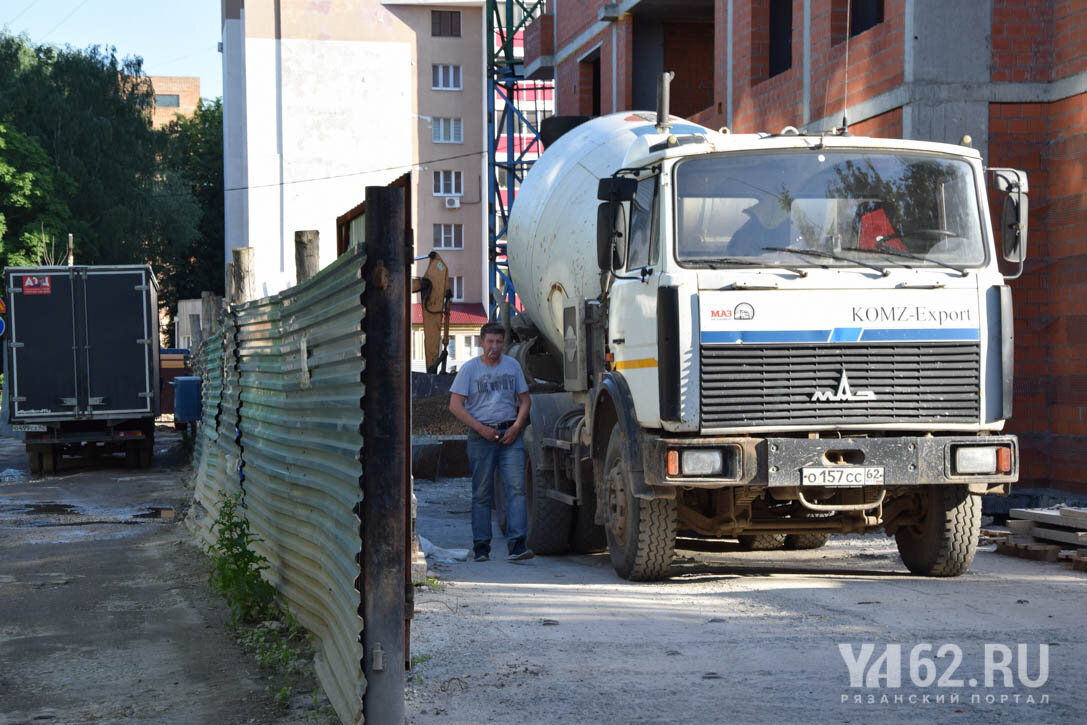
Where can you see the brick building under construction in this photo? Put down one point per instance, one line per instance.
(1010, 74)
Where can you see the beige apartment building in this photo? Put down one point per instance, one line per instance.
(321, 100)
(174, 96)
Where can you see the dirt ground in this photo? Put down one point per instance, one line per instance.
(431, 416)
(105, 611)
(735, 636)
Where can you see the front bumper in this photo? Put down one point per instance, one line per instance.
(776, 462)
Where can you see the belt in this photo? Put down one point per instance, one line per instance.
(503, 427)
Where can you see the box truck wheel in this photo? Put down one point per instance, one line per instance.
(34, 460)
(641, 533)
(50, 460)
(814, 540)
(944, 541)
(549, 521)
(761, 542)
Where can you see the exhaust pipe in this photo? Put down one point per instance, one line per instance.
(663, 119)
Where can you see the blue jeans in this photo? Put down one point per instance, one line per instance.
(486, 458)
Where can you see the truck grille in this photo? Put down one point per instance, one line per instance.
(773, 385)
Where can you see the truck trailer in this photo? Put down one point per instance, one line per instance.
(773, 337)
(82, 361)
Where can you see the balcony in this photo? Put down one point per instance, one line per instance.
(540, 48)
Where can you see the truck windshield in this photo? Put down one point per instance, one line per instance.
(922, 209)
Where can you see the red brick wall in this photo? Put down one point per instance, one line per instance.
(1069, 37)
(1049, 141)
(1022, 40)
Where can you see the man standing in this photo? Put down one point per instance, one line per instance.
(490, 396)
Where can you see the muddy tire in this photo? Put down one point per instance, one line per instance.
(761, 542)
(549, 520)
(641, 533)
(587, 536)
(944, 542)
(50, 460)
(815, 540)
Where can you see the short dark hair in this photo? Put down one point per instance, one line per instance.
(492, 328)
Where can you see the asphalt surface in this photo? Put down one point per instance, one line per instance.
(105, 611)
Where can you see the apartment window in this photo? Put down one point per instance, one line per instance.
(167, 100)
(449, 236)
(474, 346)
(781, 36)
(456, 284)
(445, 77)
(447, 130)
(445, 23)
(448, 183)
(864, 14)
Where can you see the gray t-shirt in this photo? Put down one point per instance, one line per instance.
(491, 390)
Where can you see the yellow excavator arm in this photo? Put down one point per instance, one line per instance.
(436, 301)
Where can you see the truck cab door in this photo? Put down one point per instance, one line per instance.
(632, 327)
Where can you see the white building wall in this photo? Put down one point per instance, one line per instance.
(235, 158)
(324, 120)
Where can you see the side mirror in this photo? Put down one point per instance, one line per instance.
(616, 188)
(611, 245)
(1013, 217)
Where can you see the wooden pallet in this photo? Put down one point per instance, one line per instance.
(1036, 552)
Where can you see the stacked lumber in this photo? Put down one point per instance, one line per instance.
(1047, 535)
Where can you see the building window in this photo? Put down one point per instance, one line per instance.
(447, 130)
(445, 23)
(449, 236)
(864, 14)
(781, 36)
(474, 347)
(448, 183)
(452, 347)
(456, 284)
(445, 77)
(167, 100)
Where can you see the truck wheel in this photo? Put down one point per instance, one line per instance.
(641, 533)
(49, 460)
(132, 454)
(34, 460)
(944, 542)
(806, 541)
(549, 521)
(146, 452)
(761, 542)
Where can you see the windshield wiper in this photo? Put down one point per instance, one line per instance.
(726, 262)
(827, 255)
(906, 255)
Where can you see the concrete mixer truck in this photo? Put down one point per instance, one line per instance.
(773, 337)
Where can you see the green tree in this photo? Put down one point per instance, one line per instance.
(193, 152)
(32, 193)
(90, 112)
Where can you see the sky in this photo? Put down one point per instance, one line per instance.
(174, 37)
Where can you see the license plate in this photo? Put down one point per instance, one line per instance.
(29, 428)
(842, 476)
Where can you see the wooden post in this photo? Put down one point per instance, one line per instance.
(245, 283)
(229, 281)
(207, 313)
(195, 333)
(306, 254)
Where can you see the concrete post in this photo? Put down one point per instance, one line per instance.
(306, 254)
(245, 282)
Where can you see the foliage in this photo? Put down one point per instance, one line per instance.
(78, 155)
(235, 569)
(193, 149)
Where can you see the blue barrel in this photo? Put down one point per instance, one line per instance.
(186, 398)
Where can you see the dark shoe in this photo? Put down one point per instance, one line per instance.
(482, 557)
(521, 555)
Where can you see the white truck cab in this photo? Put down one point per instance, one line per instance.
(773, 337)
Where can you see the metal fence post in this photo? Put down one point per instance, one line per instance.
(384, 451)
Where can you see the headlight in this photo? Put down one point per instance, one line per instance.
(975, 459)
(700, 462)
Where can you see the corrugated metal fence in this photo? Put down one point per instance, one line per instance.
(282, 395)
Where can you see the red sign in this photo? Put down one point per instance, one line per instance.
(37, 286)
